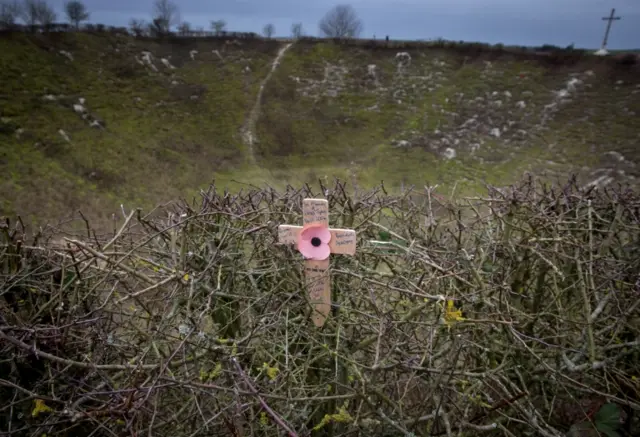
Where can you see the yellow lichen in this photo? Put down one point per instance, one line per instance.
(217, 371)
(452, 314)
(212, 375)
(342, 416)
(40, 407)
(264, 420)
(272, 372)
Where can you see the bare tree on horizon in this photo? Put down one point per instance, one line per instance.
(10, 12)
(184, 28)
(218, 26)
(137, 26)
(341, 22)
(296, 30)
(165, 15)
(38, 11)
(76, 12)
(269, 30)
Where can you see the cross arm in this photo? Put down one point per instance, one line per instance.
(343, 241)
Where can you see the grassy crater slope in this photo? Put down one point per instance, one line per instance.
(92, 121)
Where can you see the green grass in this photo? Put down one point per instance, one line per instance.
(158, 142)
(170, 132)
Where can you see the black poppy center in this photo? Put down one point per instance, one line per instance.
(315, 242)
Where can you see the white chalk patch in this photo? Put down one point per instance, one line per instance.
(449, 153)
(66, 54)
(167, 64)
(616, 155)
(601, 181)
(64, 135)
(147, 59)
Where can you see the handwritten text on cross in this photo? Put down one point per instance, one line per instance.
(315, 240)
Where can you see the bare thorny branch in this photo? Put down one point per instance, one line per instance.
(513, 312)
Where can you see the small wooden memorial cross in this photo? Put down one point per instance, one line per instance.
(316, 241)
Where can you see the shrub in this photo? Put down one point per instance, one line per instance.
(515, 310)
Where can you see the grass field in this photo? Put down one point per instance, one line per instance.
(93, 121)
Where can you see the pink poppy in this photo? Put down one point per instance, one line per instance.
(314, 243)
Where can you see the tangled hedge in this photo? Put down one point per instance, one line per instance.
(516, 313)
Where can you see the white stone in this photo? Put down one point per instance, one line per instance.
(403, 57)
(573, 83)
(468, 122)
(449, 153)
(167, 64)
(521, 104)
(66, 54)
(64, 135)
(79, 108)
(147, 59)
(618, 156)
(600, 181)
(495, 132)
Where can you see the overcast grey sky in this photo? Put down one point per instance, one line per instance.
(517, 22)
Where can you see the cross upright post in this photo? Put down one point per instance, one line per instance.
(610, 20)
(316, 241)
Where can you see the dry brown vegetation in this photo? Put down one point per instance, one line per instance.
(511, 314)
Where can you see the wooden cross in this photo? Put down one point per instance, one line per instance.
(311, 240)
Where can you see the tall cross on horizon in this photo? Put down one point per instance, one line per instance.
(610, 20)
